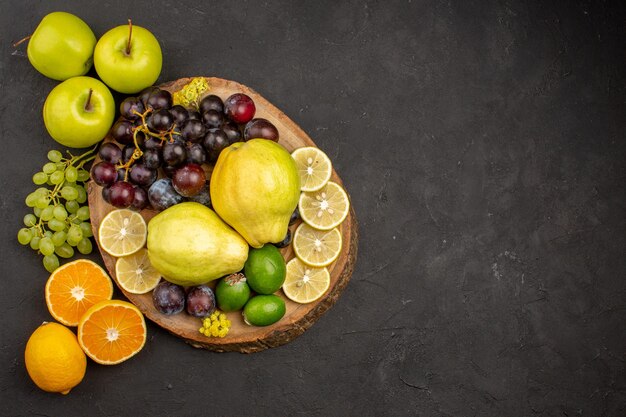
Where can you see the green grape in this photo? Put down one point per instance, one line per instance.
(56, 225)
(64, 251)
(41, 192)
(71, 174)
(46, 247)
(59, 212)
(46, 214)
(55, 156)
(34, 243)
(30, 220)
(82, 194)
(40, 178)
(83, 213)
(49, 182)
(69, 193)
(24, 236)
(84, 246)
(74, 235)
(37, 211)
(49, 168)
(60, 166)
(31, 199)
(58, 238)
(50, 262)
(83, 175)
(42, 202)
(48, 233)
(57, 177)
(85, 227)
(72, 206)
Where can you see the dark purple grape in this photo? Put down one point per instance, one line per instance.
(189, 179)
(142, 175)
(196, 153)
(106, 194)
(239, 108)
(211, 102)
(212, 118)
(169, 170)
(121, 174)
(122, 194)
(140, 201)
(200, 301)
(130, 107)
(122, 132)
(160, 121)
(193, 131)
(174, 153)
(110, 152)
(168, 298)
(159, 99)
(163, 195)
(203, 197)
(232, 131)
(194, 115)
(294, 216)
(285, 242)
(180, 114)
(260, 128)
(128, 152)
(152, 158)
(145, 94)
(153, 143)
(215, 142)
(104, 173)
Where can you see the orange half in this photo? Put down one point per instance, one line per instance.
(74, 287)
(112, 331)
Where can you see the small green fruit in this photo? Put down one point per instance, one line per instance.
(265, 269)
(232, 292)
(263, 310)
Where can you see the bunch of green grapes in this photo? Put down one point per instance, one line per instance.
(60, 218)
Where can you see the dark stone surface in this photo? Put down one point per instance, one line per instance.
(483, 145)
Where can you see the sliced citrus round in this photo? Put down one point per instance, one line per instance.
(313, 166)
(74, 287)
(112, 331)
(304, 283)
(316, 247)
(136, 274)
(325, 208)
(122, 232)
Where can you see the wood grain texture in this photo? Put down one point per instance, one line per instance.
(299, 317)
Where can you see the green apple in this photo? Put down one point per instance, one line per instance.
(79, 112)
(62, 46)
(128, 58)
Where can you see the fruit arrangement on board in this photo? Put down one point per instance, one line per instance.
(216, 216)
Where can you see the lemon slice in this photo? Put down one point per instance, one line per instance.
(316, 248)
(122, 232)
(136, 274)
(313, 166)
(304, 283)
(326, 208)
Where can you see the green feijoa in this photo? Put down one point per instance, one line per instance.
(232, 292)
(265, 269)
(263, 310)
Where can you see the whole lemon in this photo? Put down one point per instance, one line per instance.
(190, 245)
(255, 187)
(54, 359)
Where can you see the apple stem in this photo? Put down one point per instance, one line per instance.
(88, 106)
(18, 43)
(130, 34)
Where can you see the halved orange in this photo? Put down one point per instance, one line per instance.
(112, 331)
(74, 287)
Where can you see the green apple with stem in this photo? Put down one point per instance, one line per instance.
(128, 58)
(79, 112)
(61, 47)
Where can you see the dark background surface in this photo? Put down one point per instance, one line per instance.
(483, 146)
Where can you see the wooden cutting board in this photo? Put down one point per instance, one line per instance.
(242, 337)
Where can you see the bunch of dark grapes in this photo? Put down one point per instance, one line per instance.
(153, 136)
